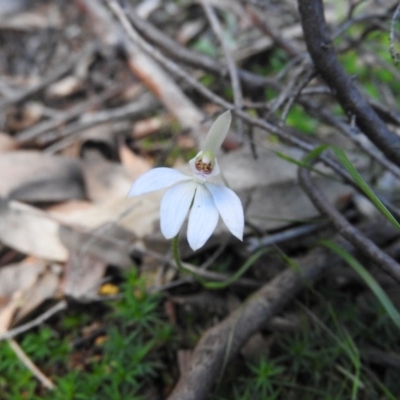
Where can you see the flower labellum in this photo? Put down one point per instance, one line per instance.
(203, 200)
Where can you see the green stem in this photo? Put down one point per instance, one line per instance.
(213, 285)
(175, 252)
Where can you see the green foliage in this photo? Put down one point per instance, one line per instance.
(341, 155)
(300, 120)
(206, 46)
(119, 368)
(370, 75)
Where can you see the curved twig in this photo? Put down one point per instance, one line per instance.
(321, 49)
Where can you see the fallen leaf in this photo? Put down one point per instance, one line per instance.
(105, 180)
(83, 275)
(133, 163)
(7, 143)
(46, 287)
(36, 177)
(30, 231)
(24, 286)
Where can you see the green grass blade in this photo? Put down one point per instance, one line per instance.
(237, 274)
(370, 281)
(340, 154)
(305, 163)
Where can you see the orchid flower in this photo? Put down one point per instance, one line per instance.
(205, 200)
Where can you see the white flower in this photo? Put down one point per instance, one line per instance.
(205, 200)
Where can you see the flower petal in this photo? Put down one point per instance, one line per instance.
(230, 208)
(175, 206)
(218, 131)
(155, 179)
(203, 218)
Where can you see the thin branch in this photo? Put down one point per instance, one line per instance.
(321, 49)
(65, 116)
(264, 26)
(346, 229)
(46, 382)
(62, 305)
(324, 115)
(233, 73)
(190, 57)
(141, 107)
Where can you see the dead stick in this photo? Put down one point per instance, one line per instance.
(222, 342)
(233, 72)
(30, 365)
(62, 305)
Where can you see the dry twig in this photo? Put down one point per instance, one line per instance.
(346, 229)
(46, 382)
(62, 305)
(233, 73)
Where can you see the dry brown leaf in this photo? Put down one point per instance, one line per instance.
(105, 180)
(133, 163)
(83, 275)
(20, 275)
(30, 231)
(62, 210)
(108, 243)
(138, 215)
(46, 287)
(7, 143)
(34, 177)
(8, 309)
(18, 282)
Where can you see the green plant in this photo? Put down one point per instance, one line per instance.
(117, 368)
